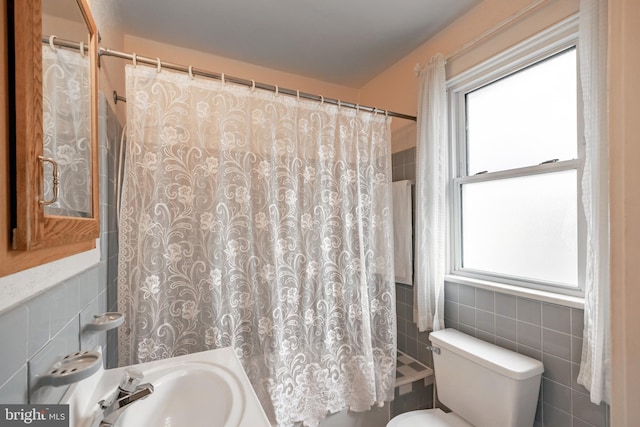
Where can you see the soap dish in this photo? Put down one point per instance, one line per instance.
(106, 321)
(72, 368)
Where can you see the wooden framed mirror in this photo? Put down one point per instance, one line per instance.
(54, 138)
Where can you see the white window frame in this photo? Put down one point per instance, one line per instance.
(559, 38)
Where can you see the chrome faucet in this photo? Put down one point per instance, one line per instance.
(129, 392)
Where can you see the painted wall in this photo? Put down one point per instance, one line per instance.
(624, 152)
(218, 64)
(396, 88)
(64, 28)
(112, 37)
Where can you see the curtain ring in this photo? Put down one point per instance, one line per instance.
(339, 104)
(386, 113)
(253, 85)
(51, 44)
(224, 81)
(191, 71)
(277, 91)
(159, 65)
(298, 94)
(135, 59)
(321, 100)
(82, 49)
(357, 108)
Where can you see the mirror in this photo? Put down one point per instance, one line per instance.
(55, 135)
(66, 102)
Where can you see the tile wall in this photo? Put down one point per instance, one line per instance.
(547, 332)
(44, 329)
(414, 386)
(410, 341)
(50, 325)
(110, 136)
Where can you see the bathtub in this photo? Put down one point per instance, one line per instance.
(375, 417)
(411, 377)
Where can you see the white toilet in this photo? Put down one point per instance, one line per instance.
(484, 385)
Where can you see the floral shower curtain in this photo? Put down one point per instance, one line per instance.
(66, 102)
(260, 222)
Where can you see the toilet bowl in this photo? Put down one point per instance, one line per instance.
(484, 385)
(428, 417)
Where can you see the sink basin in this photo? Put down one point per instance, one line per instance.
(191, 394)
(209, 389)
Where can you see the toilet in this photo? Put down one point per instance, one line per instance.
(484, 385)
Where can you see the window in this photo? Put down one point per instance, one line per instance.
(516, 169)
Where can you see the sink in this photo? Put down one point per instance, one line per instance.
(190, 394)
(209, 389)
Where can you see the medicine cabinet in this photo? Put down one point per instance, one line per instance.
(54, 123)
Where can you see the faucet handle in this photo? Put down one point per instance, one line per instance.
(132, 378)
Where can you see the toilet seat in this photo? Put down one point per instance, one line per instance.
(428, 418)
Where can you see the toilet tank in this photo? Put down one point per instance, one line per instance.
(487, 385)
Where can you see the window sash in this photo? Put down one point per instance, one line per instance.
(457, 251)
(545, 45)
(473, 125)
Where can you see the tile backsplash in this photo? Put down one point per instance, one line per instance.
(547, 332)
(45, 328)
(50, 325)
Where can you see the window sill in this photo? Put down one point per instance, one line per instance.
(550, 297)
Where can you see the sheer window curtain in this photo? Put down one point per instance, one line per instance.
(431, 181)
(263, 223)
(595, 366)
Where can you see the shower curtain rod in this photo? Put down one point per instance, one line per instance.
(250, 83)
(54, 41)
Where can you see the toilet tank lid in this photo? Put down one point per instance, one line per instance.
(498, 359)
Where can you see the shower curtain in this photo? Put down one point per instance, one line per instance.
(66, 107)
(261, 222)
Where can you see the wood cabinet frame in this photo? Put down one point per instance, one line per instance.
(29, 238)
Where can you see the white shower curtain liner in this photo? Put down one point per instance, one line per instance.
(431, 181)
(263, 223)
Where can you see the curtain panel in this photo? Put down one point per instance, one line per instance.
(595, 365)
(431, 184)
(261, 222)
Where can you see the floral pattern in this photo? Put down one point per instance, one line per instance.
(66, 102)
(247, 220)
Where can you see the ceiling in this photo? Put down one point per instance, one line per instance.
(347, 42)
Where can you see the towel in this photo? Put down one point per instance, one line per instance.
(402, 232)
